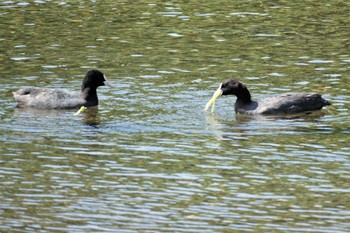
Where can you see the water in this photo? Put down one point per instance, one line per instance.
(148, 159)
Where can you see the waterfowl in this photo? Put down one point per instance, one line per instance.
(290, 103)
(47, 98)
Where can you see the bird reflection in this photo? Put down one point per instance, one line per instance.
(239, 126)
(91, 116)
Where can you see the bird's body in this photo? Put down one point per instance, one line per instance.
(290, 103)
(47, 98)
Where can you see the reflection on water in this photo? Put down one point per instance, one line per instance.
(91, 116)
(149, 158)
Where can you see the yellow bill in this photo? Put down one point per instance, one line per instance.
(211, 102)
(82, 109)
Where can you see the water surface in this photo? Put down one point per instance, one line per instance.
(149, 159)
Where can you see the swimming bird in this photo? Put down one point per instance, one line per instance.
(290, 103)
(46, 98)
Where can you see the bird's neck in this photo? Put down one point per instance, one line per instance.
(243, 95)
(90, 94)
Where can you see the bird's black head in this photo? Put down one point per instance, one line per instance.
(237, 88)
(231, 87)
(94, 79)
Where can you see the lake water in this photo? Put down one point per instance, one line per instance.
(149, 159)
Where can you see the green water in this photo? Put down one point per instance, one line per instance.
(149, 159)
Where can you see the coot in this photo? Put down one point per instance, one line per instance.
(290, 103)
(60, 98)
